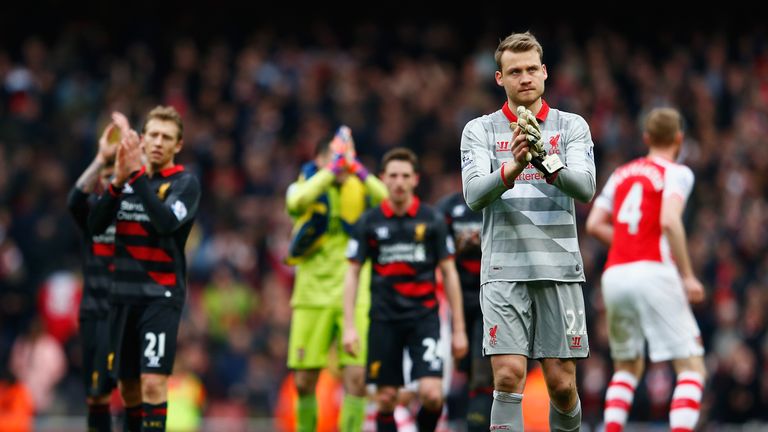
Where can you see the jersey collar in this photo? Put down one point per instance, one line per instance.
(171, 170)
(541, 115)
(386, 208)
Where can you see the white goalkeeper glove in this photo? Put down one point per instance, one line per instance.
(537, 155)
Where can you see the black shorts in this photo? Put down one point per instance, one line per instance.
(473, 318)
(94, 338)
(475, 364)
(388, 339)
(143, 339)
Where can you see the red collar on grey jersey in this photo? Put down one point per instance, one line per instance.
(541, 115)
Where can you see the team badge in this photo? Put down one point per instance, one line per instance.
(162, 190)
(492, 335)
(373, 370)
(466, 159)
(418, 234)
(179, 209)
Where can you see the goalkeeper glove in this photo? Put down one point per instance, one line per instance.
(537, 156)
(340, 147)
(338, 164)
(341, 142)
(358, 169)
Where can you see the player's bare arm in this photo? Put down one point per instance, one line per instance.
(672, 225)
(350, 338)
(459, 344)
(599, 225)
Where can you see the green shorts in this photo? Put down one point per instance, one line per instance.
(315, 329)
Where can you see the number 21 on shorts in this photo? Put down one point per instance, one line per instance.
(155, 348)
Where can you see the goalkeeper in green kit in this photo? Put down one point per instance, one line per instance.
(331, 193)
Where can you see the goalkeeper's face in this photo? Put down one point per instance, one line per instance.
(400, 179)
(522, 75)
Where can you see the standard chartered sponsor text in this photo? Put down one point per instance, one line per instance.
(402, 252)
(131, 216)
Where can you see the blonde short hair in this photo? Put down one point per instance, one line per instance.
(518, 42)
(165, 113)
(662, 125)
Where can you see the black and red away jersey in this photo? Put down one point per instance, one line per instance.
(464, 223)
(97, 257)
(404, 250)
(153, 217)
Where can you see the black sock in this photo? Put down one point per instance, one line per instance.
(427, 419)
(154, 417)
(385, 422)
(99, 418)
(133, 417)
(479, 409)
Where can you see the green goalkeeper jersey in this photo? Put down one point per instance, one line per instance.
(321, 269)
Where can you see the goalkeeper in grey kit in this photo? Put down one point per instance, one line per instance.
(524, 165)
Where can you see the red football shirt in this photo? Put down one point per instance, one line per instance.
(633, 195)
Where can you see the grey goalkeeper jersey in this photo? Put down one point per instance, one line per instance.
(529, 231)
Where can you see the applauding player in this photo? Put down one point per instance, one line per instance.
(523, 165)
(329, 196)
(97, 280)
(153, 207)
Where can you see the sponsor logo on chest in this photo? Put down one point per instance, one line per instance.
(132, 211)
(402, 252)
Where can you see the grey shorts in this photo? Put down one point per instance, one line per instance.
(540, 319)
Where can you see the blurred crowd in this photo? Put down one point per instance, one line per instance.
(253, 110)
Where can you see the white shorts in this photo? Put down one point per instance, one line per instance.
(645, 301)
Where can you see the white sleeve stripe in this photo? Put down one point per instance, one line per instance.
(678, 179)
(604, 203)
